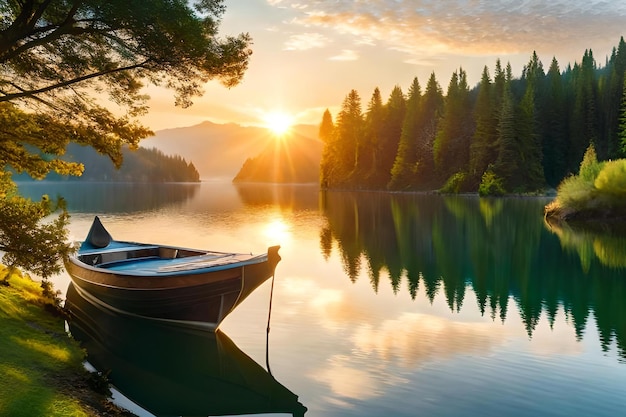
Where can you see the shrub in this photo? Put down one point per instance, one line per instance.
(612, 178)
(599, 187)
(590, 167)
(491, 185)
(575, 193)
(456, 183)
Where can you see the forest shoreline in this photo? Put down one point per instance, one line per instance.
(545, 193)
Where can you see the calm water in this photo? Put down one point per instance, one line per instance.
(383, 305)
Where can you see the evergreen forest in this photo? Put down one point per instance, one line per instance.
(505, 135)
(140, 165)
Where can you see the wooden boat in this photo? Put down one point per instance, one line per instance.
(171, 370)
(190, 286)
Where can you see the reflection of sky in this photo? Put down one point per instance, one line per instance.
(375, 343)
(366, 355)
(379, 338)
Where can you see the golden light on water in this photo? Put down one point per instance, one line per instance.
(278, 232)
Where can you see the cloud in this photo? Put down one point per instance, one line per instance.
(299, 6)
(345, 55)
(284, 4)
(304, 41)
(470, 27)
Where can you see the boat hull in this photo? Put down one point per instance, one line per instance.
(187, 286)
(169, 370)
(197, 297)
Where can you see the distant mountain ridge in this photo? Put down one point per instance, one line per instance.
(293, 160)
(142, 165)
(220, 150)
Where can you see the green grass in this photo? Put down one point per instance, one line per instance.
(41, 367)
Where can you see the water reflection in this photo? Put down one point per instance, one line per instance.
(170, 370)
(498, 247)
(285, 196)
(607, 245)
(112, 197)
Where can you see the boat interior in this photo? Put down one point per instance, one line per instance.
(112, 257)
(102, 251)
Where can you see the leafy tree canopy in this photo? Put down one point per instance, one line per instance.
(60, 60)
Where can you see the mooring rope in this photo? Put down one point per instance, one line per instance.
(267, 334)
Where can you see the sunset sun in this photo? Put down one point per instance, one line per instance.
(278, 122)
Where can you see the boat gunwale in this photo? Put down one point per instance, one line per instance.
(130, 246)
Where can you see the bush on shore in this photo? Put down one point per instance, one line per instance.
(599, 190)
(491, 185)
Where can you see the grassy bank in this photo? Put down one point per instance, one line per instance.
(41, 367)
(598, 192)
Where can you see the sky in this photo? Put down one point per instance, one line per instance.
(308, 55)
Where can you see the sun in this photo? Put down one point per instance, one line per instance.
(278, 122)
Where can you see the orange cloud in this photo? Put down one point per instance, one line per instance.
(475, 28)
(305, 41)
(346, 55)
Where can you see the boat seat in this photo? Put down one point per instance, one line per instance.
(168, 253)
(117, 255)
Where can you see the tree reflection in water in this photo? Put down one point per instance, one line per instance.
(499, 247)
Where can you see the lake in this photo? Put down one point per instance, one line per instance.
(383, 304)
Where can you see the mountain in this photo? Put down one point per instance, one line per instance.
(140, 165)
(295, 159)
(220, 150)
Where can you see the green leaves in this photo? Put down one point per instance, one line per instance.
(30, 240)
(612, 178)
(59, 60)
(491, 185)
(590, 167)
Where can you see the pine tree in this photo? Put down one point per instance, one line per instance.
(484, 141)
(395, 110)
(507, 163)
(349, 133)
(373, 132)
(622, 120)
(404, 165)
(527, 128)
(452, 143)
(610, 97)
(430, 111)
(524, 132)
(554, 140)
(499, 81)
(327, 136)
(529, 145)
(583, 122)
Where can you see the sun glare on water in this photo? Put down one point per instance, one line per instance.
(278, 232)
(279, 123)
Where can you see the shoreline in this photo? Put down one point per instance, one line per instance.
(43, 370)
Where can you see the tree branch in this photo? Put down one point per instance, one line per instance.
(32, 93)
(26, 29)
(65, 29)
(23, 24)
